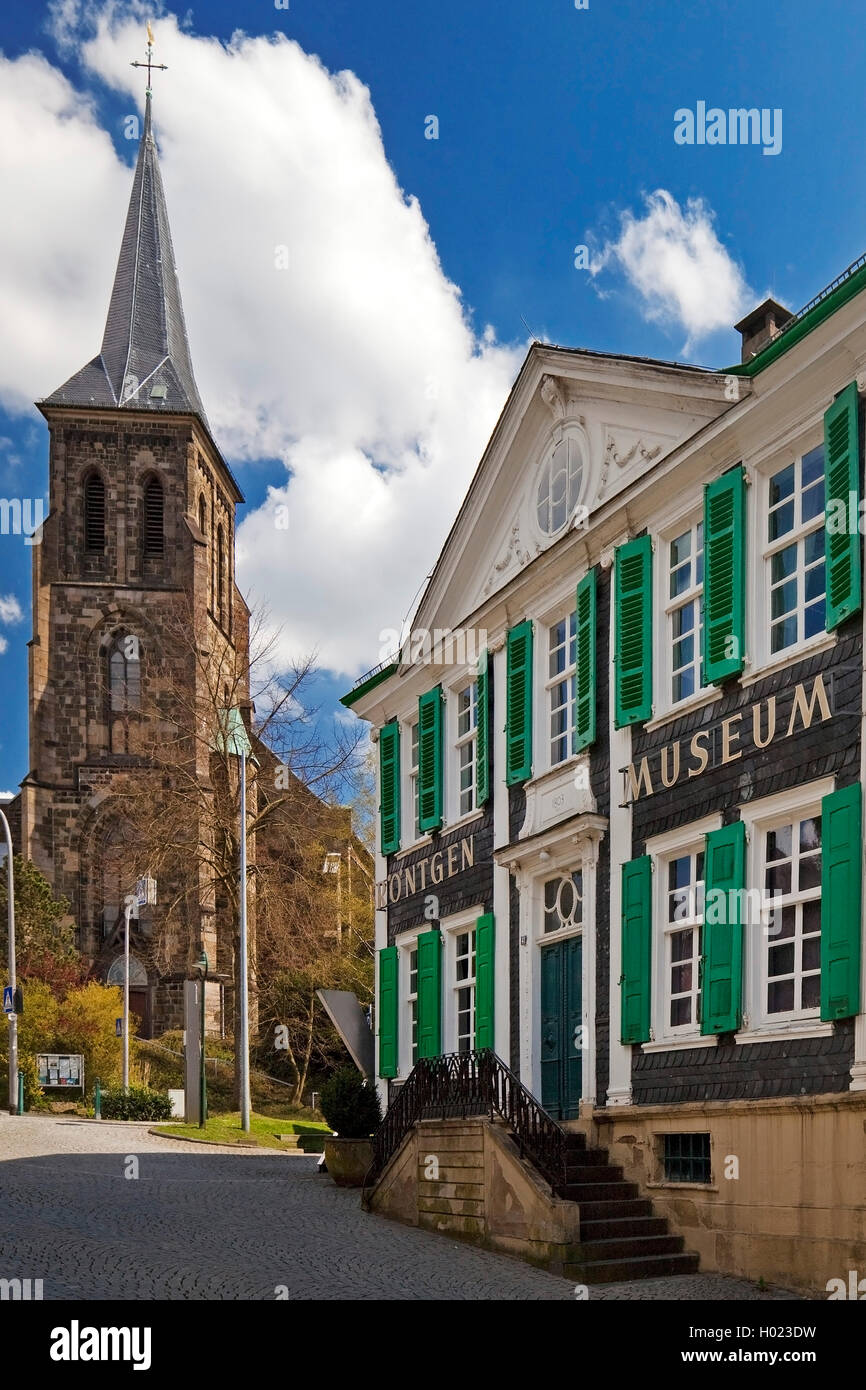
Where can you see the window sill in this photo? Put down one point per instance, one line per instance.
(695, 702)
(416, 844)
(789, 657)
(787, 1033)
(462, 820)
(446, 827)
(680, 1044)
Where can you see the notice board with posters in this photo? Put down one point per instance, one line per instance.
(60, 1069)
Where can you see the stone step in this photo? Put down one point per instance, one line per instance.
(575, 1141)
(644, 1267)
(609, 1211)
(621, 1227)
(584, 1157)
(629, 1248)
(599, 1192)
(581, 1174)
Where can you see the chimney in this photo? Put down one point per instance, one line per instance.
(761, 326)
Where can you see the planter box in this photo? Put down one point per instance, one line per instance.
(348, 1160)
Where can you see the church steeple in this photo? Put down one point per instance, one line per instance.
(145, 361)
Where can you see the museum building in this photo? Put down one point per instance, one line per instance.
(620, 835)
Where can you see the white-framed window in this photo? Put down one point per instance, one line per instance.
(412, 1002)
(464, 989)
(677, 934)
(465, 745)
(684, 608)
(411, 831)
(794, 552)
(682, 925)
(563, 902)
(790, 968)
(561, 687)
(560, 484)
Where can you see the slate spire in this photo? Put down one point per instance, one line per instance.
(145, 360)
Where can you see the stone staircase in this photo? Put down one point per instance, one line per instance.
(620, 1238)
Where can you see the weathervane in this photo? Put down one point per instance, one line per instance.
(150, 63)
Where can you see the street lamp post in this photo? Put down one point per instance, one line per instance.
(234, 740)
(244, 982)
(129, 903)
(202, 967)
(13, 1017)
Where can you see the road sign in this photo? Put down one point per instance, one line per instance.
(118, 1027)
(8, 1002)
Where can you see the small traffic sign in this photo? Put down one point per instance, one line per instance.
(8, 1003)
(118, 1027)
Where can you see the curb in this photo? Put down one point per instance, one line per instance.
(223, 1144)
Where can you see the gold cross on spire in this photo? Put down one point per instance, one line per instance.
(150, 63)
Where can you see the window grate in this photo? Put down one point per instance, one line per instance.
(687, 1158)
(94, 514)
(153, 518)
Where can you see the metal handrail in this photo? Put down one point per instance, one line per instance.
(463, 1083)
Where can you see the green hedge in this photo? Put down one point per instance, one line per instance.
(138, 1103)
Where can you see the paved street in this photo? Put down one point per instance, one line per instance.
(213, 1223)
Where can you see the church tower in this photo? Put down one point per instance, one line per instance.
(139, 540)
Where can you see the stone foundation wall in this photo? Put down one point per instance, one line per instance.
(465, 1178)
(793, 1206)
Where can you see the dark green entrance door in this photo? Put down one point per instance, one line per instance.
(561, 1019)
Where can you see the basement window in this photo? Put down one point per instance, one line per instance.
(686, 1157)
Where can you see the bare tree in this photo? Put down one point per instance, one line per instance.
(180, 799)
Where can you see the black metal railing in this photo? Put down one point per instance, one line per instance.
(471, 1083)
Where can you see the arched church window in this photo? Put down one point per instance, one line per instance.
(153, 517)
(137, 973)
(202, 516)
(94, 513)
(221, 578)
(124, 674)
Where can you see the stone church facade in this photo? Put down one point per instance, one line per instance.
(135, 612)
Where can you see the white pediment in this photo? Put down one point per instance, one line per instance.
(580, 422)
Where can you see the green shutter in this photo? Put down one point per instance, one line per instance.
(634, 638)
(518, 719)
(388, 1011)
(482, 742)
(722, 931)
(430, 760)
(389, 787)
(636, 949)
(841, 875)
(429, 993)
(587, 663)
(842, 484)
(724, 641)
(485, 939)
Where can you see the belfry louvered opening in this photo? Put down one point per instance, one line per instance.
(94, 513)
(153, 517)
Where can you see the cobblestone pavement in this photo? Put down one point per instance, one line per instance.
(214, 1223)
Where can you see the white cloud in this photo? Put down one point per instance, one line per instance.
(358, 366)
(10, 609)
(4, 645)
(674, 259)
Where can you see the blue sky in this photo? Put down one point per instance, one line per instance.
(554, 125)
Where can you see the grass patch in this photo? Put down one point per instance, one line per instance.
(263, 1131)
